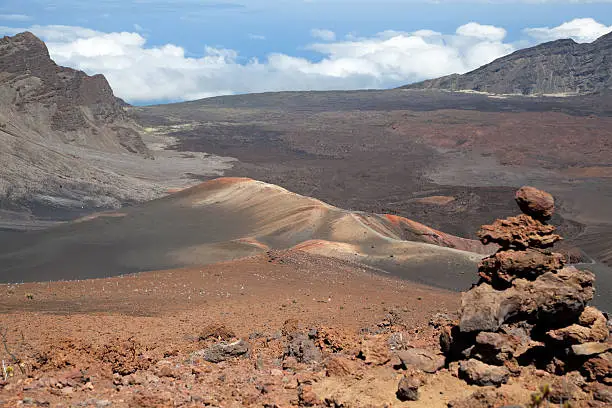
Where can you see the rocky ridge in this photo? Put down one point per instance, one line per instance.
(69, 146)
(557, 67)
(77, 108)
(528, 309)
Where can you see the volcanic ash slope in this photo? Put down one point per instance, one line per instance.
(230, 218)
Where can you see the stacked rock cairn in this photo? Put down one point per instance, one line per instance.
(529, 308)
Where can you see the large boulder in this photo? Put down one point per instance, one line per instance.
(519, 232)
(535, 203)
(551, 297)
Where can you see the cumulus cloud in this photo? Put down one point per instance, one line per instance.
(141, 73)
(485, 32)
(581, 30)
(322, 34)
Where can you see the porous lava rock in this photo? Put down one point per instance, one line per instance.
(224, 351)
(501, 268)
(528, 307)
(520, 232)
(408, 388)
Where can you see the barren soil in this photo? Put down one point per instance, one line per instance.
(79, 341)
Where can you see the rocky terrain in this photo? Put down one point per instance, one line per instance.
(561, 67)
(288, 328)
(445, 160)
(67, 143)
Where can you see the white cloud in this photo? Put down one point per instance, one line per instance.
(485, 32)
(580, 30)
(140, 73)
(15, 17)
(323, 34)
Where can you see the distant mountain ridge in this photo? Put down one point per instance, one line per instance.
(557, 67)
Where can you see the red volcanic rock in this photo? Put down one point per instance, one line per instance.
(592, 326)
(535, 203)
(503, 267)
(598, 368)
(408, 388)
(519, 232)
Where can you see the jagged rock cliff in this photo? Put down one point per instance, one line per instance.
(70, 104)
(557, 67)
(56, 123)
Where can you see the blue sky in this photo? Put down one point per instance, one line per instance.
(172, 37)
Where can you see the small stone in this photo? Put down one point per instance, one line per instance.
(307, 397)
(408, 388)
(479, 373)
(216, 331)
(421, 359)
(223, 351)
(535, 203)
(453, 368)
(375, 350)
(590, 349)
(166, 371)
(303, 349)
(290, 363)
(340, 366)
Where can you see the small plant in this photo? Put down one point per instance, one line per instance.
(539, 398)
(9, 371)
(542, 398)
